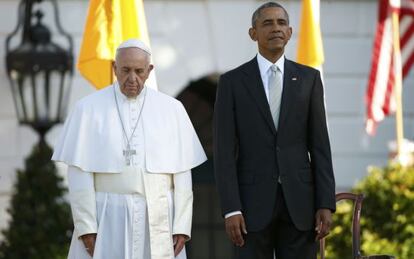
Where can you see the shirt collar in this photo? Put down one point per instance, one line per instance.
(264, 64)
(123, 97)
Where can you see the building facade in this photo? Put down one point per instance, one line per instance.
(193, 41)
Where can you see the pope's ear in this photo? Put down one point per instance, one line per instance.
(113, 65)
(150, 68)
(252, 34)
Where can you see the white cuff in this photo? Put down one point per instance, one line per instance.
(183, 213)
(228, 215)
(82, 201)
(83, 206)
(183, 204)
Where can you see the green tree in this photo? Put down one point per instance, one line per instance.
(387, 216)
(41, 222)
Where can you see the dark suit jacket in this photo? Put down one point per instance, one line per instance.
(250, 154)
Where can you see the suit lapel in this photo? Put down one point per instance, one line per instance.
(253, 83)
(291, 82)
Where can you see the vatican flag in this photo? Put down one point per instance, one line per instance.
(310, 48)
(109, 23)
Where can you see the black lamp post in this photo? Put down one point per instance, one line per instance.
(39, 70)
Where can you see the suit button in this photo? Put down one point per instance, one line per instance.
(277, 149)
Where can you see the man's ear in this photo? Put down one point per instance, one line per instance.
(252, 34)
(150, 68)
(290, 32)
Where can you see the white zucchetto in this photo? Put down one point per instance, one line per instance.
(134, 43)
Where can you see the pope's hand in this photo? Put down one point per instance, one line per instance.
(235, 228)
(179, 241)
(89, 243)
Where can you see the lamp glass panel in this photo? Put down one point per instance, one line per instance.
(15, 76)
(40, 91)
(55, 89)
(28, 104)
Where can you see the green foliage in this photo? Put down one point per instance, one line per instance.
(41, 222)
(387, 217)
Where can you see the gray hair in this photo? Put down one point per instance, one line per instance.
(256, 13)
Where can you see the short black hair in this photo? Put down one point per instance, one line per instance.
(256, 13)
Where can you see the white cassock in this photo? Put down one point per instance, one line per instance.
(134, 209)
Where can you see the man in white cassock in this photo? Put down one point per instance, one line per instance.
(129, 150)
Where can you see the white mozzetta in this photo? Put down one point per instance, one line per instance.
(92, 135)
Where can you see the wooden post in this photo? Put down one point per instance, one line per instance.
(398, 84)
(112, 72)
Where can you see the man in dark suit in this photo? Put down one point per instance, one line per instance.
(273, 163)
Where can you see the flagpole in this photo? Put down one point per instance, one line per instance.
(398, 85)
(111, 76)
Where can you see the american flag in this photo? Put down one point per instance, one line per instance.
(380, 93)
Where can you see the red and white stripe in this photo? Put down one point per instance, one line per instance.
(380, 93)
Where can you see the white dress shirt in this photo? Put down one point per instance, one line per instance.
(265, 70)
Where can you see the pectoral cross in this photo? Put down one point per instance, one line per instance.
(128, 153)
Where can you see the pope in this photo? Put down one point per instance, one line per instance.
(129, 151)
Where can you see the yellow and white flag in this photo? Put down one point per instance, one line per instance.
(109, 23)
(310, 48)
